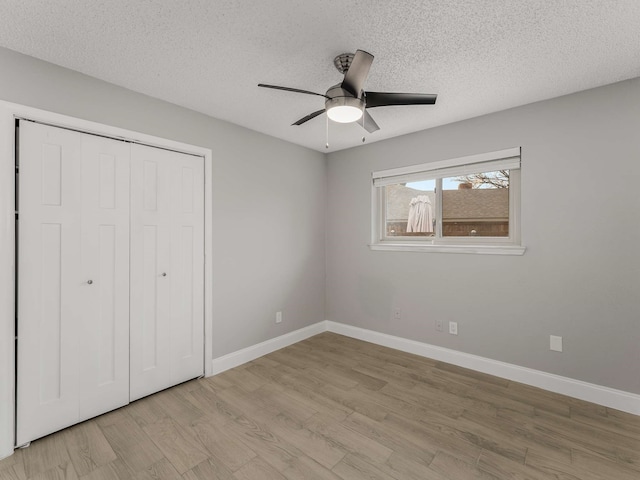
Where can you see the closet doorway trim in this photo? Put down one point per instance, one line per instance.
(9, 112)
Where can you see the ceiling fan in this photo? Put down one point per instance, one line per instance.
(348, 102)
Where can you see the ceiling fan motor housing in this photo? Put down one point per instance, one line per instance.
(344, 102)
(337, 91)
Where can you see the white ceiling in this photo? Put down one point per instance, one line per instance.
(479, 56)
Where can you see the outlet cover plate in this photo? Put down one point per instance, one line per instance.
(555, 343)
(453, 328)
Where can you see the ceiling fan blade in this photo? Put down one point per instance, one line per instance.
(308, 117)
(383, 99)
(288, 89)
(357, 74)
(370, 124)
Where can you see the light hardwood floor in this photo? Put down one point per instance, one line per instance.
(331, 407)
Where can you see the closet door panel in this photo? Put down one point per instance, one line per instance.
(73, 278)
(187, 258)
(150, 280)
(49, 280)
(167, 269)
(104, 326)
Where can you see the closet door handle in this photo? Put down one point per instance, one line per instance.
(90, 282)
(164, 274)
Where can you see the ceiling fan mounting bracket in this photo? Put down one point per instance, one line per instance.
(343, 61)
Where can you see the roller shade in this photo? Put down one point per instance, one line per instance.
(487, 162)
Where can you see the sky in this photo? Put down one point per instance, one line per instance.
(430, 185)
(447, 184)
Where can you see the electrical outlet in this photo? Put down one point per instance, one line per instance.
(555, 343)
(438, 325)
(453, 328)
(278, 317)
(397, 313)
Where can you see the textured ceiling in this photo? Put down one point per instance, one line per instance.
(479, 56)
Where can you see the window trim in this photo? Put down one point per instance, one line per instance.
(502, 159)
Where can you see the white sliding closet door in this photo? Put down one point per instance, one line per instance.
(167, 269)
(104, 325)
(73, 265)
(49, 276)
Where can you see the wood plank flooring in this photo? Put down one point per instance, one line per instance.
(331, 407)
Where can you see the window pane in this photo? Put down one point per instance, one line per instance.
(410, 209)
(476, 205)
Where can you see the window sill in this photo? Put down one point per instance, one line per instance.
(469, 249)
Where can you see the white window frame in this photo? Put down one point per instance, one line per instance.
(508, 159)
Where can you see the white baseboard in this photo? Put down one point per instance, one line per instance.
(245, 355)
(609, 397)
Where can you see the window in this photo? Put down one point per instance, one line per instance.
(465, 205)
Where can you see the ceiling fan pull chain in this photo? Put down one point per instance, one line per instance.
(327, 132)
(364, 110)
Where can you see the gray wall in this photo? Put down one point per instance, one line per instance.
(269, 198)
(580, 275)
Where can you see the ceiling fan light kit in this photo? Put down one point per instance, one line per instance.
(344, 109)
(347, 102)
